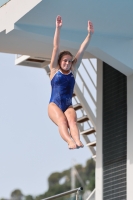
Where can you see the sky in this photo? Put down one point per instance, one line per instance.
(30, 145)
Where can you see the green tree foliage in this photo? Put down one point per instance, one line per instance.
(16, 192)
(87, 174)
(16, 195)
(90, 166)
(29, 197)
(91, 186)
(59, 182)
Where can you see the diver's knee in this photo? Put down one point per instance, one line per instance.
(72, 122)
(62, 121)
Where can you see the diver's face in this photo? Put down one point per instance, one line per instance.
(66, 62)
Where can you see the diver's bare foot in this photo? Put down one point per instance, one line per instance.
(79, 144)
(72, 144)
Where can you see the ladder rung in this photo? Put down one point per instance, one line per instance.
(77, 106)
(92, 144)
(88, 131)
(83, 119)
(94, 157)
(74, 95)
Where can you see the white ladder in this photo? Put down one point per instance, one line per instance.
(89, 130)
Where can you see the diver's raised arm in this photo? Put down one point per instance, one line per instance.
(84, 45)
(55, 53)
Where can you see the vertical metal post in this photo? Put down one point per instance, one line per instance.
(77, 195)
(73, 180)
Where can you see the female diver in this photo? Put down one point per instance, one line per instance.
(62, 75)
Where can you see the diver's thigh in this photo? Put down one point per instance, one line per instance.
(56, 114)
(71, 115)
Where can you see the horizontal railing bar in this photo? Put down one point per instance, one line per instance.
(64, 193)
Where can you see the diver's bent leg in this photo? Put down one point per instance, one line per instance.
(72, 122)
(58, 117)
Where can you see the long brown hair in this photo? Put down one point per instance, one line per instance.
(63, 53)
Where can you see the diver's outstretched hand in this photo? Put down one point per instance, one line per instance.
(58, 21)
(90, 27)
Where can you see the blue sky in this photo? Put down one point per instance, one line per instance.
(3, 2)
(30, 145)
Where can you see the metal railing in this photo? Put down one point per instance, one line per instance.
(77, 190)
(86, 81)
(92, 195)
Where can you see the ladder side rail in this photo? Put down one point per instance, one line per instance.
(92, 195)
(87, 140)
(82, 111)
(85, 105)
(88, 74)
(92, 65)
(86, 88)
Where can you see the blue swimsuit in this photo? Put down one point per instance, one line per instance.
(62, 89)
